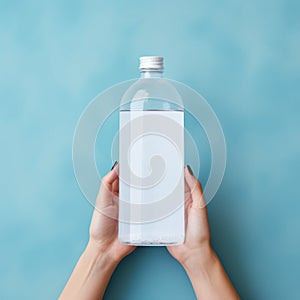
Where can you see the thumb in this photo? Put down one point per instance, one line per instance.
(195, 188)
(105, 195)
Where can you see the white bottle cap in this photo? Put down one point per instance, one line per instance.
(152, 62)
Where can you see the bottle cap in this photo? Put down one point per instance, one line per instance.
(152, 63)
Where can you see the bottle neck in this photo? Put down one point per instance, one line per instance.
(151, 73)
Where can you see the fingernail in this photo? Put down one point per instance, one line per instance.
(190, 170)
(114, 165)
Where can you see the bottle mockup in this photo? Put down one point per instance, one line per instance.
(151, 160)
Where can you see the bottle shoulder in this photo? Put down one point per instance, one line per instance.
(152, 91)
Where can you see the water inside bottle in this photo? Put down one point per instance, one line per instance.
(151, 171)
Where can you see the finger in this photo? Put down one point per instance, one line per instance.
(111, 176)
(187, 189)
(105, 194)
(187, 194)
(115, 192)
(115, 186)
(195, 190)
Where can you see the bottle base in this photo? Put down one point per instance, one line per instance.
(153, 242)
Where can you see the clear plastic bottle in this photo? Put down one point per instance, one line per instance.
(151, 158)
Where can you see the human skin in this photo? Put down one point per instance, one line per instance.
(104, 251)
(196, 255)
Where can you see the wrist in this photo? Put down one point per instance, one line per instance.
(90, 276)
(101, 257)
(199, 259)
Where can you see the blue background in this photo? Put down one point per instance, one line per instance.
(243, 56)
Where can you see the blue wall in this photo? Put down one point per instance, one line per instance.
(243, 56)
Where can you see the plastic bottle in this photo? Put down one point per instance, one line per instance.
(151, 160)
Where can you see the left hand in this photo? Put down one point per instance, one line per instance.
(104, 224)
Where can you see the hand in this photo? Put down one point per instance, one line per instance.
(104, 251)
(197, 239)
(104, 224)
(97, 263)
(196, 255)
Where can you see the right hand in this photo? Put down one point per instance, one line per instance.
(197, 239)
